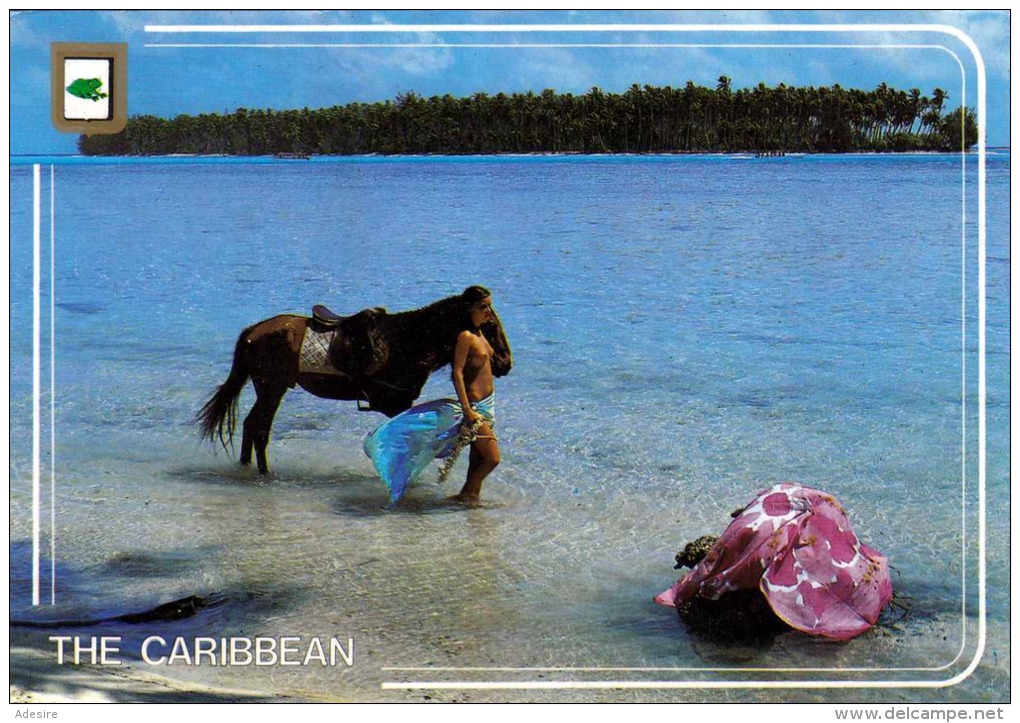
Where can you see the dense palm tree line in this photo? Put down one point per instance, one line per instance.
(644, 119)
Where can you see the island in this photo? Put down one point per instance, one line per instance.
(644, 119)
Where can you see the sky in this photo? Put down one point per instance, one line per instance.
(226, 73)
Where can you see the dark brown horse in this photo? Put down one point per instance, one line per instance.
(381, 360)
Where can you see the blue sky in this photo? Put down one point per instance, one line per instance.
(167, 81)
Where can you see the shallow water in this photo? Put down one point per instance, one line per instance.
(686, 332)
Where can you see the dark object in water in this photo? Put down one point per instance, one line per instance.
(742, 616)
(694, 552)
(186, 607)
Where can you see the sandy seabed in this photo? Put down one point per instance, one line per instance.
(34, 678)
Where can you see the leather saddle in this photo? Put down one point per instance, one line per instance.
(324, 318)
(358, 346)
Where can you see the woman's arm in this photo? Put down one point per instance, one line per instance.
(460, 357)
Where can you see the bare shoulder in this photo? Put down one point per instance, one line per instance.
(466, 340)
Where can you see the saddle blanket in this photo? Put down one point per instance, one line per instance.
(315, 352)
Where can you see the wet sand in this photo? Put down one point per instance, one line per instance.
(35, 679)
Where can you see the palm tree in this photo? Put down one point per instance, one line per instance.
(959, 130)
(641, 119)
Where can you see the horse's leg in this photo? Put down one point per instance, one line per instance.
(270, 352)
(259, 423)
(247, 442)
(253, 422)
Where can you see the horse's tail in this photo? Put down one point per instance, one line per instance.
(219, 415)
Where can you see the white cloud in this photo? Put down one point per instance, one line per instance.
(557, 68)
(419, 61)
(375, 65)
(989, 31)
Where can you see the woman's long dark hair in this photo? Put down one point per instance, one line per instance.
(472, 295)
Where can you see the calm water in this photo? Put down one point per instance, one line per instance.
(687, 331)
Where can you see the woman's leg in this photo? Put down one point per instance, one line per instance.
(484, 458)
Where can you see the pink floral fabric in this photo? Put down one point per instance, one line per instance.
(795, 544)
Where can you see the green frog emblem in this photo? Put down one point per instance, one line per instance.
(86, 88)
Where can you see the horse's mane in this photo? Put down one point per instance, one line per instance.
(426, 337)
(443, 306)
(445, 313)
(426, 333)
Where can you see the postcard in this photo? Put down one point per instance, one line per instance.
(513, 356)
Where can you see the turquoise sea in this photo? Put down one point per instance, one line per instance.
(687, 331)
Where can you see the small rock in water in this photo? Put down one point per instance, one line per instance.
(694, 552)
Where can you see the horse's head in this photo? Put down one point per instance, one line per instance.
(422, 340)
(502, 357)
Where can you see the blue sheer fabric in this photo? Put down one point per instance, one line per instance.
(402, 448)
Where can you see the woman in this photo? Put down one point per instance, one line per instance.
(402, 448)
(473, 381)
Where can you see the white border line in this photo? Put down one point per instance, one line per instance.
(525, 46)
(746, 28)
(557, 28)
(982, 210)
(53, 392)
(662, 684)
(963, 372)
(36, 379)
(982, 350)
